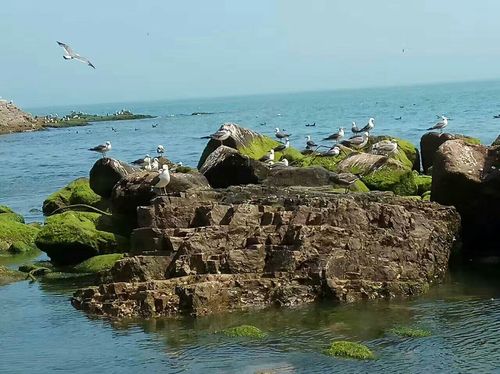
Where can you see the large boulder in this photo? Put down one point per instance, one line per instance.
(71, 237)
(467, 176)
(431, 141)
(227, 167)
(136, 190)
(106, 172)
(76, 192)
(15, 235)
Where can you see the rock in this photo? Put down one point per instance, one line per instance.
(72, 237)
(98, 264)
(424, 183)
(346, 349)
(496, 141)
(468, 177)
(431, 141)
(14, 234)
(8, 275)
(226, 167)
(76, 192)
(409, 154)
(136, 189)
(381, 173)
(106, 172)
(13, 119)
(254, 246)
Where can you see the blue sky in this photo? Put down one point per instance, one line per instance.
(163, 49)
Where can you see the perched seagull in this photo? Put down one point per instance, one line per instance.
(346, 180)
(102, 148)
(280, 134)
(336, 136)
(142, 161)
(268, 157)
(71, 55)
(358, 141)
(148, 165)
(283, 162)
(160, 150)
(369, 126)
(354, 128)
(334, 151)
(386, 147)
(310, 143)
(162, 180)
(282, 147)
(155, 164)
(440, 125)
(221, 135)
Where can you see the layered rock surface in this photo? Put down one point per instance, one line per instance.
(253, 246)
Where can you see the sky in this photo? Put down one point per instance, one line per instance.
(164, 49)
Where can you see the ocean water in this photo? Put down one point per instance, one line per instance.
(41, 331)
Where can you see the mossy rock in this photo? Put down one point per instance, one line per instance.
(410, 332)
(20, 247)
(407, 153)
(246, 331)
(349, 350)
(426, 196)
(13, 230)
(471, 140)
(98, 263)
(424, 183)
(8, 275)
(184, 169)
(5, 209)
(400, 181)
(72, 237)
(76, 192)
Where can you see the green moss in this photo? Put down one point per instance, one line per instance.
(426, 196)
(20, 247)
(410, 332)
(407, 153)
(259, 147)
(470, 140)
(359, 186)
(98, 263)
(424, 183)
(8, 275)
(5, 209)
(12, 230)
(76, 192)
(184, 169)
(72, 237)
(349, 350)
(400, 181)
(244, 331)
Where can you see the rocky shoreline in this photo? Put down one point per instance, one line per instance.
(241, 233)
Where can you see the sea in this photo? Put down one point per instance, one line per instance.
(40, 330)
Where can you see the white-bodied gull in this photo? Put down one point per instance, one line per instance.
(160, 150)
(358, 141)
(162, 180)
(336, 136)
(385, 147)
(282, 147)
(280, 134)
(221, 135)
(268, 157)
(369, 126)
(440, 125)
(142, 161)
(102, 148)
(71, 55)
(310, 143)
(355, 128)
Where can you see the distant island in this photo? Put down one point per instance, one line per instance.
(13, 119)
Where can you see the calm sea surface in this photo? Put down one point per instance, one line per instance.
(40, 331)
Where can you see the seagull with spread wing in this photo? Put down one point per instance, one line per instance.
(71, 55)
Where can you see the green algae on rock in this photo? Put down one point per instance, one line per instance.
(8, 275)
(247, 331)
(424, 183)
(349, 350)
(400, 181)
(76, 192)
(71, 237)
(98, 263)
(14, 231)
(410, 332)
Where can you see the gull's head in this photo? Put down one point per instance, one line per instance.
(147, 156)
(155, 159)
(160, 147)
(308, 137)
(108, 143)
(271, 151)
(444, 118)
(336, 148)
(353, 123)
(371, 120)
(285, 162)
(277, 129)
(164, 167)
(342, 128)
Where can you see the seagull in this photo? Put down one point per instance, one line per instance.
(221, 135)
(280, 134)
(142, 161)
(310, 143)
(162, 180)
(354, 128)
(358, 141)
(369, 126)
(71, 55)
(283, 162)
(334, 151)
(346, 180)
(155, 164)
(386, 147)
(160, 150)
(282, 147)
(102, 148)
(268, 157)
(336, 136)
(154, 125)
(440, 125)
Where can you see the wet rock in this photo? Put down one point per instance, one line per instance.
(105, 173)
(254, 246)
(72, 237)
(8, 275)
(14, 234)
(467, 176)
(431, 141)
(407, 153)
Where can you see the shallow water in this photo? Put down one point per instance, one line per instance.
(40, 330)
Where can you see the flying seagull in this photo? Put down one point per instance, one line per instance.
(102, 148)
(336, 136)
(71, 55)
(440, 125)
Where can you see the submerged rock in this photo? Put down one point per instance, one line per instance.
(15, 236)
(106, 172)
(467, 176)
(72, 237)
(256, 246)
(8, 275)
